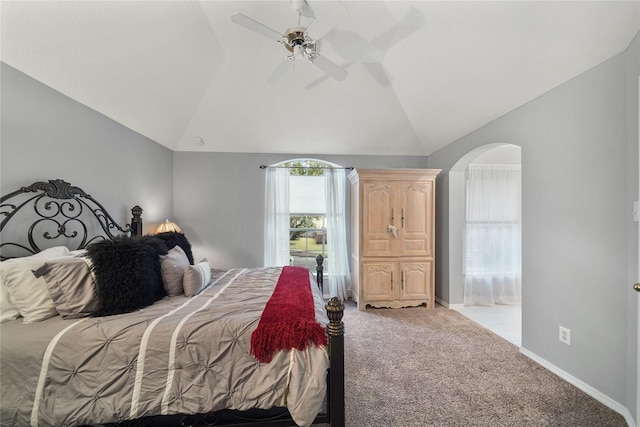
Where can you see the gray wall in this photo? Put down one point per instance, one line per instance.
(219, 200)
(579, 178)
(46, 135)
(632, 74)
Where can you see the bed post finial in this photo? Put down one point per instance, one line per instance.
(319, 272)
(335, 312)
(136, 221)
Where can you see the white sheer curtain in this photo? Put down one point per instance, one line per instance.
(493, 235)
(276, 230)
(338, 262)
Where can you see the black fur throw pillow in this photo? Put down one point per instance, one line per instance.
(128, 273)
(172, 239)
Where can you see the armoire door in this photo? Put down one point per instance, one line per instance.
(377, 213)
(416, 219)
(415, 278)
(380, 281)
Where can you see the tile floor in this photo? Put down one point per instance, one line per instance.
(504, 320)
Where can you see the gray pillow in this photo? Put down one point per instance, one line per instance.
(174, 264)
(71, 286)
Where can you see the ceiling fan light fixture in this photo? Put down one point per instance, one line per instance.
(297, 39)
(294, 37)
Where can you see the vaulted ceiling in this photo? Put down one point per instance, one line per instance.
(421, 74)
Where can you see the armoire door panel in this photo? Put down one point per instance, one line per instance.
(376, 247)
(415, 246)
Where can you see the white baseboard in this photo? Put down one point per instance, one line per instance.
(600, 397)
(447, 305)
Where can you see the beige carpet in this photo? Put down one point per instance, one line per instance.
(419, 367)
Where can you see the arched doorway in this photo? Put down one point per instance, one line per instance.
(505, 320)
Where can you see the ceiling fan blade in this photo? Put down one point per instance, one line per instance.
(280, 70)
(329, 67)
(329, 19)
(256, 26)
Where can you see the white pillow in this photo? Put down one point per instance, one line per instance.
(27, 292)
(8, 310)
(196, 278)
(78, 253)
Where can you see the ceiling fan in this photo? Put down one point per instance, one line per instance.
(297, 40)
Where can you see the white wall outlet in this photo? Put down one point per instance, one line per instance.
(565, 335)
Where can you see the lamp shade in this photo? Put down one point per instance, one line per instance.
(168, 226)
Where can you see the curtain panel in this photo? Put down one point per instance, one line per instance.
(336, 217)
(276, 227)
(492, 264)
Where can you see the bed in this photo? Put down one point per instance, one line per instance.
(103, 345)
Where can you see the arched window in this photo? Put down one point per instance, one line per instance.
(305, 215)
(307, 211)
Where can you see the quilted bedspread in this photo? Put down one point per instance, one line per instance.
(180, 355)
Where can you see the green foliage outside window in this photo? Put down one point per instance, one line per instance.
(306, 167)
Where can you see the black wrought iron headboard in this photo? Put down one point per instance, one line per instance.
(56, 213)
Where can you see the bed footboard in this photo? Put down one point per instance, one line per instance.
(335, 330)
(335, 379)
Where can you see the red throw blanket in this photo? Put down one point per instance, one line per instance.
(288, 320)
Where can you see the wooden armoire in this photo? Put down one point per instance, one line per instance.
(392, 237)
